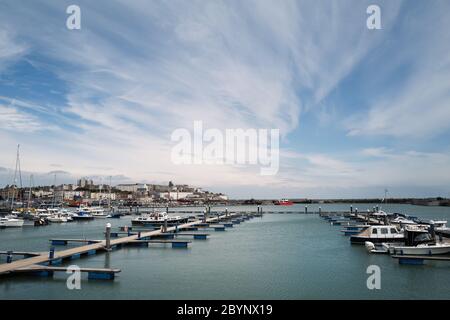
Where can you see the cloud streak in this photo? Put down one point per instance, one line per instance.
(122, 85)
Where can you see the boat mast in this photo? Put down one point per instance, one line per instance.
(385, 196)
(54, 191)
(109, 195)
(29, 193)
(16, 170)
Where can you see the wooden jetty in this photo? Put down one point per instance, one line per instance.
(49, 259)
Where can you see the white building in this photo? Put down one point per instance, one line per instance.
(174, 195)
(68, 195)
(135, 187)
(102, 196)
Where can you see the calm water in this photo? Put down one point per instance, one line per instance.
(279, 256)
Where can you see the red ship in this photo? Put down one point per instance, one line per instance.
(284, 202)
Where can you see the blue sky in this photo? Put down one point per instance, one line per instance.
(359, 110)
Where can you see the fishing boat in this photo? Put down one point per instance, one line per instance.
(378, 234)
(157, 218)
(284, 202)
(10, 222)
(419, 241)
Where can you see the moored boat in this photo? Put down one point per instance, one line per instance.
(419, 241)
(57, 218)
(11, 222)
(284, 202)
(378, 234)
(158, 218)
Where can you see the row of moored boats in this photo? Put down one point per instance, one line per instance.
(396, 234)
(42, 216)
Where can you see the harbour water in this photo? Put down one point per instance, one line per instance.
(278, 256)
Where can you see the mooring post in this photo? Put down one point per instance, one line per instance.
(306, 209)
(108, 237)
(226, 212)
(9, 257)
(51, 254)
(165, 224)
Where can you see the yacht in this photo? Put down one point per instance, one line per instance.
(10, 222)
(378, 234)
(157, 218)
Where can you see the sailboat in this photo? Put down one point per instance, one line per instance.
(13, 220)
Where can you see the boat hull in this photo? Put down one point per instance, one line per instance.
(420, 251)
(354, 239)
(82, 218)
(158, 223)
(11, 224)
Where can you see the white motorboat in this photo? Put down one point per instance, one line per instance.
(378, 234)
(440, 227)
(401, 221)
(43, 213)
(421, 249)
(418, 241)
(57, 218)
(11, 222)
(157, 218)
(98, 212)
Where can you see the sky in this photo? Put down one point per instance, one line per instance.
(358, 110)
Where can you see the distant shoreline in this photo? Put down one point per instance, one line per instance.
(413, 201)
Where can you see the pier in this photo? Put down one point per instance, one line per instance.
(44, 263)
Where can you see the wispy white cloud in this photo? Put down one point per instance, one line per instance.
(254, 64)
(12, 119)
(10, 49)
(419, 106)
